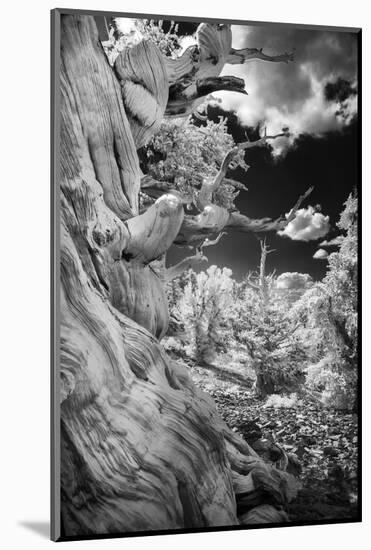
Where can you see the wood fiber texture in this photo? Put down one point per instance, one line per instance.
(141, 447)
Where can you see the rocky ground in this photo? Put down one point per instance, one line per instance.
(321, 442)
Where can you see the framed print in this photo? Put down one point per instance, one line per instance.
(205, 285)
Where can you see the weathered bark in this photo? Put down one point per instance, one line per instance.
(142, 448)
(238, 57)
(196, 73)
(263, 278)
(145, 88)
(184, 97)
(150, 83)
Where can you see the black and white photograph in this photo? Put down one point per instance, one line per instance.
(206, 204)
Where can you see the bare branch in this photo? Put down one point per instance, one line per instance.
(187, 263)
(263, 279)
(245, 224)
(189, 93)
(210, 187)
(238, 57)
(195, 229)
(209, 242)
(293, 211)
(236, 184)
(262, 141)
(265, 250)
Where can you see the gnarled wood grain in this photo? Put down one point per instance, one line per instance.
(142, 448)
(145, 88)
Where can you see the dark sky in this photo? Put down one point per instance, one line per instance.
(318, 96)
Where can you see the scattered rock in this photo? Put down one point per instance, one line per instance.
(321, 445)
(330, 451)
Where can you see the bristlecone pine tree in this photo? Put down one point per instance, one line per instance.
(141, 447)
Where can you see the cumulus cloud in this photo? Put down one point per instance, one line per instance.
(292, 280)
(314, 94)
(336, 241)
(320, 254)
(308, 225)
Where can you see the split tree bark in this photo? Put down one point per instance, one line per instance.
(142, 448)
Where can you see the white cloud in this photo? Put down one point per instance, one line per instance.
(320, 254)
(336, 241)
(281, 95)
(308, 225)
(313, 115)
(294, 280)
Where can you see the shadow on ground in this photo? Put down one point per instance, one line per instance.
(41, 528)
(228, 375)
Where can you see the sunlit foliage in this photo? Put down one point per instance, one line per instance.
(184, 155)
(169, 42)
(327, 314)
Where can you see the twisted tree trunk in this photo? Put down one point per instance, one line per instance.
(141, 447)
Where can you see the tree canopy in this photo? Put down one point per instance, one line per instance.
(185, 155)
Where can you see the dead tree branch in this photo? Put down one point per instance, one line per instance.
(238, 57)
(187, 263)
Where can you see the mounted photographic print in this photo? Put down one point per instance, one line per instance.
(205, 193)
